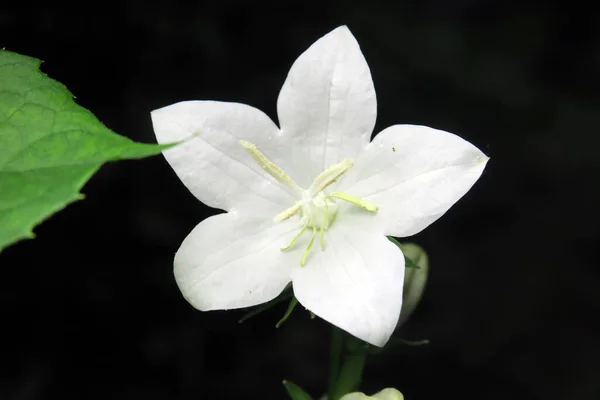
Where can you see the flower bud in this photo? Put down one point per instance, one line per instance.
(385, 394)
(414, 278)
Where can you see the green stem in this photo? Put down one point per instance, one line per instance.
(348, 356)
(335, 359)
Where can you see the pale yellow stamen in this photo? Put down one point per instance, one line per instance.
(323, 225)
(309, 247)
(291, 243)
(355, 200)
(330, 175)
(312, 201)
(270, 167)
(290, 212)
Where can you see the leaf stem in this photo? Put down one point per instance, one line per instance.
(335, 359)
(288, 312)
(348, 356)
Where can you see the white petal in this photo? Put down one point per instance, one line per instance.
(229, 261)
(355, 284)
(212, 163)
(414, 174)
(327, 106)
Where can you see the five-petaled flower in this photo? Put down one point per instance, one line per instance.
(310, 202)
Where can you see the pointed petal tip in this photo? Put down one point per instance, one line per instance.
(378, 342)
(160, 112)
(154, 113)
(337, 286)
(342, 31)
(327, 104)
(342, 28)
(162, 109)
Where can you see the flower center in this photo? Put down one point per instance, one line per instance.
(317, 208)
(319, 211)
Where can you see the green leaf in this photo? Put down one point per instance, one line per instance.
(295, 391)
(49, 147)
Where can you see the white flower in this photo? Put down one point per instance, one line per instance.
(316, 174)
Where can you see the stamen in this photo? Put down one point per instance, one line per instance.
(270, 167)
(297, 236)
(330, 175)
(355, 200)
(309, 247)
(323, 225)
(293, 210)
(311, 201)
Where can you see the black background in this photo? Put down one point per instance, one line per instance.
(90, 310)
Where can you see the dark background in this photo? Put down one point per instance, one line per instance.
(90, 310)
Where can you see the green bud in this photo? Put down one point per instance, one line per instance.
(385, 394)
(414, 279)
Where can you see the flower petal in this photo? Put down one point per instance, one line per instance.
(212, 163)
(327, 106)
(229, 261)
(355, 284)
(414, 174)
